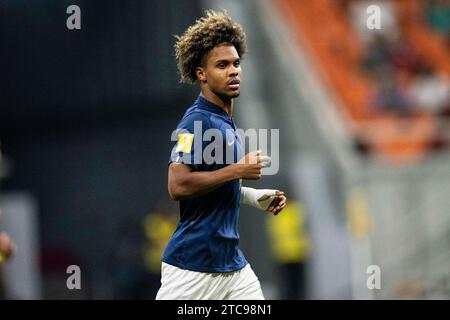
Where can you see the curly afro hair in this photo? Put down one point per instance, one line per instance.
(199, 39)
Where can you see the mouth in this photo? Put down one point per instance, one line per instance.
(234, 84)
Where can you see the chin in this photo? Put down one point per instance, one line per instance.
(229, 95)
(235, 94)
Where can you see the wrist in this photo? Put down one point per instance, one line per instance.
(249, 197)
(258, 198)
(234, 170)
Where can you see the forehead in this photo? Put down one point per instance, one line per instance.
(223, 52)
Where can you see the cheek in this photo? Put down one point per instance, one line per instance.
(217, 77)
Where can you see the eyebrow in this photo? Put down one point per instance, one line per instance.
(226, 60)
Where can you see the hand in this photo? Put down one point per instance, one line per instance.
(7, 246)
(277, 204)
(249, 167)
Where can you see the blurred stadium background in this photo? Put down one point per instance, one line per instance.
(86, 118)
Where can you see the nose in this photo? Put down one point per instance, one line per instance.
(234, 71)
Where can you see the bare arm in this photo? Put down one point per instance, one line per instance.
(184, 183)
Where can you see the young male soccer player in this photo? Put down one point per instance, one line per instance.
(202, 259)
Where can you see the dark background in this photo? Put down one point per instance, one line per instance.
(86, 117)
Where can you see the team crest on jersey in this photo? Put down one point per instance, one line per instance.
(185, 142)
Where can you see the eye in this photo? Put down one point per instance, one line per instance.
(221, 65)
(237, 63)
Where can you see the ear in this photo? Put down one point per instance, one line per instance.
(201, 75)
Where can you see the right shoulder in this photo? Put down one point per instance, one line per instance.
(192, 117)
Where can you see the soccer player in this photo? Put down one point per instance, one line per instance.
(203, 260)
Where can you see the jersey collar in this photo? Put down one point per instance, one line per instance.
(211, 107)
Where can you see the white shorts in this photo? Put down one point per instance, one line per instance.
(180, 284)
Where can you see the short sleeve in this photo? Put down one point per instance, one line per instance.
(189, 145)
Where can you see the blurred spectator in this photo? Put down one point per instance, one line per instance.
(430, 92)
(403, 57)
(377, 54)
(159, 227)
(404, 83)
(389, 95)
(290, 249)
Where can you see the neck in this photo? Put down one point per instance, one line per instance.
(225, 103)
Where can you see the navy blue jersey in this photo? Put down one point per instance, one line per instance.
(206, 238)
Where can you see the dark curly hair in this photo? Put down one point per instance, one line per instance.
(199, 39)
